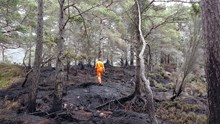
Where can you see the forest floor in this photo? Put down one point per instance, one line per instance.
(83, 95)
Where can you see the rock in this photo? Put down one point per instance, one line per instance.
(70, 107)
(105, 114)
(81, 108)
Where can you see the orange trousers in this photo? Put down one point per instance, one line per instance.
(99, 75)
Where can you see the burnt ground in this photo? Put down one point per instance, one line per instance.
(83, 95)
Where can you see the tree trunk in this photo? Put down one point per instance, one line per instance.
(50, 52)
(100, 47)
(58, 93)
(111, 57)
(168, 59)
(161, 58)
(89, 63)
(142, 87)
(139, 85)
(126, 63)
(100, 52)
(67, 68)
(25, 55)
(37, 61)
(122, 62)
(88, 51)
(132, 55)
(3, 54)
(29, 56)
(29, 47)
(190, 56)
(211, 35)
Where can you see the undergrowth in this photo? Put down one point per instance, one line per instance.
(8, 74)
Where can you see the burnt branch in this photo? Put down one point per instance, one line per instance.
(31, 70)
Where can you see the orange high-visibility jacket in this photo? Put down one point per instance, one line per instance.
(99, 66)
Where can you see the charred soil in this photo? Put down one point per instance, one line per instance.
(87, 102)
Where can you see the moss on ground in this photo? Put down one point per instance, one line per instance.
(196, 88)
(170, 85)
(8, 74)
(180, 113)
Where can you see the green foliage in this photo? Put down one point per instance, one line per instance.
(127, 4)
(50, 39)
(81, 56)
(13, 3)
(92, 2)
(107, 13)
(76, 18)
(160, 87)
(195, 9)
(3, 38)
(70, 54)
(22, 28)
(121, 28)
(30, 3)
(170, 85)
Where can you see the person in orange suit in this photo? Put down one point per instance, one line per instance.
(100, 69)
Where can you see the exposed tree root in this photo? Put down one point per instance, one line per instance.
(138, 103)
(119, 101)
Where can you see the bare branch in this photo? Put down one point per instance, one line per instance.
(22, 21)
(162, 23)
(72, 5)
(84, 23)
(15, 29)
(59, 2)
(68, 14)
(147, 7)
(9, 47)
(134, 22)
(109, 4)
(178, 1)
(69, 5)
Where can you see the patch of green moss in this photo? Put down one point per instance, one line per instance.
(201, 119)
(4, 82)
(162, 73)
(8, 73)
(191, 116)
(180, 113)
(170, 85)
(160, 86)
